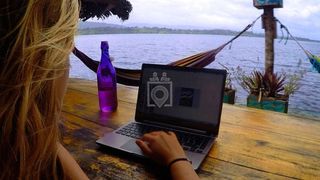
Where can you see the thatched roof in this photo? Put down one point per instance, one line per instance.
(105, 8)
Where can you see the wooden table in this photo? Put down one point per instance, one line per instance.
(252, 144)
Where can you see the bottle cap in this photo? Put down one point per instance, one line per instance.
(104, 45)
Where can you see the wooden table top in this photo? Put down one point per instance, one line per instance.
(252, 144)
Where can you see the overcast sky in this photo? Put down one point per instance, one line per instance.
(302, 17)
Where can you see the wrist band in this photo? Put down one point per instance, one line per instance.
(178, 159)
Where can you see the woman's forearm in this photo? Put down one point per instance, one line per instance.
(183, 170)
(70, 167)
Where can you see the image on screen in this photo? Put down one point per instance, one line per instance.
(181, 97)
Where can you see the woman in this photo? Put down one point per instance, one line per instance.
(36, 38)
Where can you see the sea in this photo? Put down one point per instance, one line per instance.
(131, 50)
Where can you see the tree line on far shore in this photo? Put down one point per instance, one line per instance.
(158, 30)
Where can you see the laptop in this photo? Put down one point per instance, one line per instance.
(187, 101)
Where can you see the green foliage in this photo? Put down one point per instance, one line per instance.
(253, 82)
(228, 83)
(100, 9)
(273, 84)
(268, 85)
(293, 83)
(159, 30)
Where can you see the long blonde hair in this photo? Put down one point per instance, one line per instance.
(35, 45)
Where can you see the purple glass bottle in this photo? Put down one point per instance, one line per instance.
(107, 83)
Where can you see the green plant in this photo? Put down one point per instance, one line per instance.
(228, 83)
(265, 84)
(273, 84)
(253, 83)
(293, 83)
(277, 85)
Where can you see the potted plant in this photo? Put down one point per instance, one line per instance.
(229, 91)
(269, 91)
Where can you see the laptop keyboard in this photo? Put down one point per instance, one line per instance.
(189, 142)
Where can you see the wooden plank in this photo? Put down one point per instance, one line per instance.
(269, 142)
(86, 106)
(79, 136)
(219, 169)
(269, 152)
(279, 123)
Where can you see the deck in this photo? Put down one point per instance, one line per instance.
(252, 144)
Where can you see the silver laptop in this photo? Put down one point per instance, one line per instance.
(187, 101)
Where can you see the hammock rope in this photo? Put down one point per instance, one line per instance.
(131, 77)
(314, 60)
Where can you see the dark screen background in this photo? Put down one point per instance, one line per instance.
(193, 97)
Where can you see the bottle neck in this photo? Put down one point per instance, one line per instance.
(105, 58)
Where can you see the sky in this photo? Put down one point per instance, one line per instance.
(302, 17)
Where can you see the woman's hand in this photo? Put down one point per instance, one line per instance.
(161, 146)
(164, 147)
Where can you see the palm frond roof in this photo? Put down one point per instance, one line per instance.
(102, 9)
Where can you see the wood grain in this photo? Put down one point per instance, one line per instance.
(79, 137)
(252, 144)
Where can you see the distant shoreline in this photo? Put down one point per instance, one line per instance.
(157, 30)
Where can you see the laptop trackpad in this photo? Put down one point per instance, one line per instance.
(132, 147)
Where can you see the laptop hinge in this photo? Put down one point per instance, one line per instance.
(170, 126)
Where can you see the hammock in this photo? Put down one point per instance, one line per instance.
(131, 77)
(314, 60)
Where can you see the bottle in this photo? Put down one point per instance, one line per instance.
(107, 82)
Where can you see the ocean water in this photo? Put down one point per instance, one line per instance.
(131, 50)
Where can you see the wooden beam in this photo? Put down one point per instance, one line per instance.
(269, 24)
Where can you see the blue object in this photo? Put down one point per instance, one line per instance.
(314, 60)
(260, 4)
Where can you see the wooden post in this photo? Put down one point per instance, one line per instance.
(269, 25)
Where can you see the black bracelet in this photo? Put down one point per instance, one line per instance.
(176, 160)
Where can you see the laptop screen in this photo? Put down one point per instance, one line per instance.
(181, 96)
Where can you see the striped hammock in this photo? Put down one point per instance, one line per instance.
(314, 60)
(132, 77)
